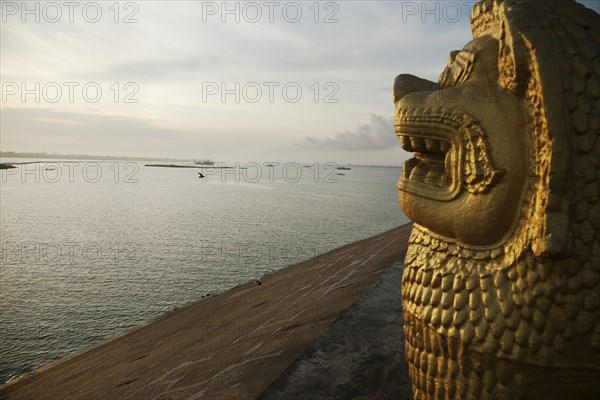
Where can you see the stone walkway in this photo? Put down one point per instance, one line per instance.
(360, 356)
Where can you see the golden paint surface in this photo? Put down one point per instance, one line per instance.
(501, 289)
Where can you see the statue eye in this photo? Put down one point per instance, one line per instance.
(458, 70)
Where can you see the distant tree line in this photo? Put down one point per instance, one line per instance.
(54, 156)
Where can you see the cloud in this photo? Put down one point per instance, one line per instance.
(41, 129)
(377, 134)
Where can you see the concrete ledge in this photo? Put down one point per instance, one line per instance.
(360, 356)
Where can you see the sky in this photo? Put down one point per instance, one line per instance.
(307, 81)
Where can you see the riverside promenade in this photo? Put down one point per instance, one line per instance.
(248, 341)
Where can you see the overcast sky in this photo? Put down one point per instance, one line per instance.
(287, 81)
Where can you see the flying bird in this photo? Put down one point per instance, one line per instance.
(200, 176)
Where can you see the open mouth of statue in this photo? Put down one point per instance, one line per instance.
(433, 172)
(429, 163)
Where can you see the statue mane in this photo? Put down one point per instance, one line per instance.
(549, 54)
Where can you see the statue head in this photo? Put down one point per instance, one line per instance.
(496, 134)
(466, 177)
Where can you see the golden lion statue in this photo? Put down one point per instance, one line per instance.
(501, 288)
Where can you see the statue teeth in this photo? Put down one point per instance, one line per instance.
(408, 167)
(433, 146)
(418, 144)
(417, 173)
(432, 177)
(405, 173)
(406, 145)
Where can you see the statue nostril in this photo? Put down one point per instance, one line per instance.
(406, 84)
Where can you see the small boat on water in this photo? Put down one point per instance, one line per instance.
(204, 162)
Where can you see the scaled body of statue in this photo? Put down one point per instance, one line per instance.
(501, 288)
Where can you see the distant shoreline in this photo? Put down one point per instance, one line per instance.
(50, 156)
(190, 166)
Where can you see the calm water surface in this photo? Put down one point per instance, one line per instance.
(90, 250)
